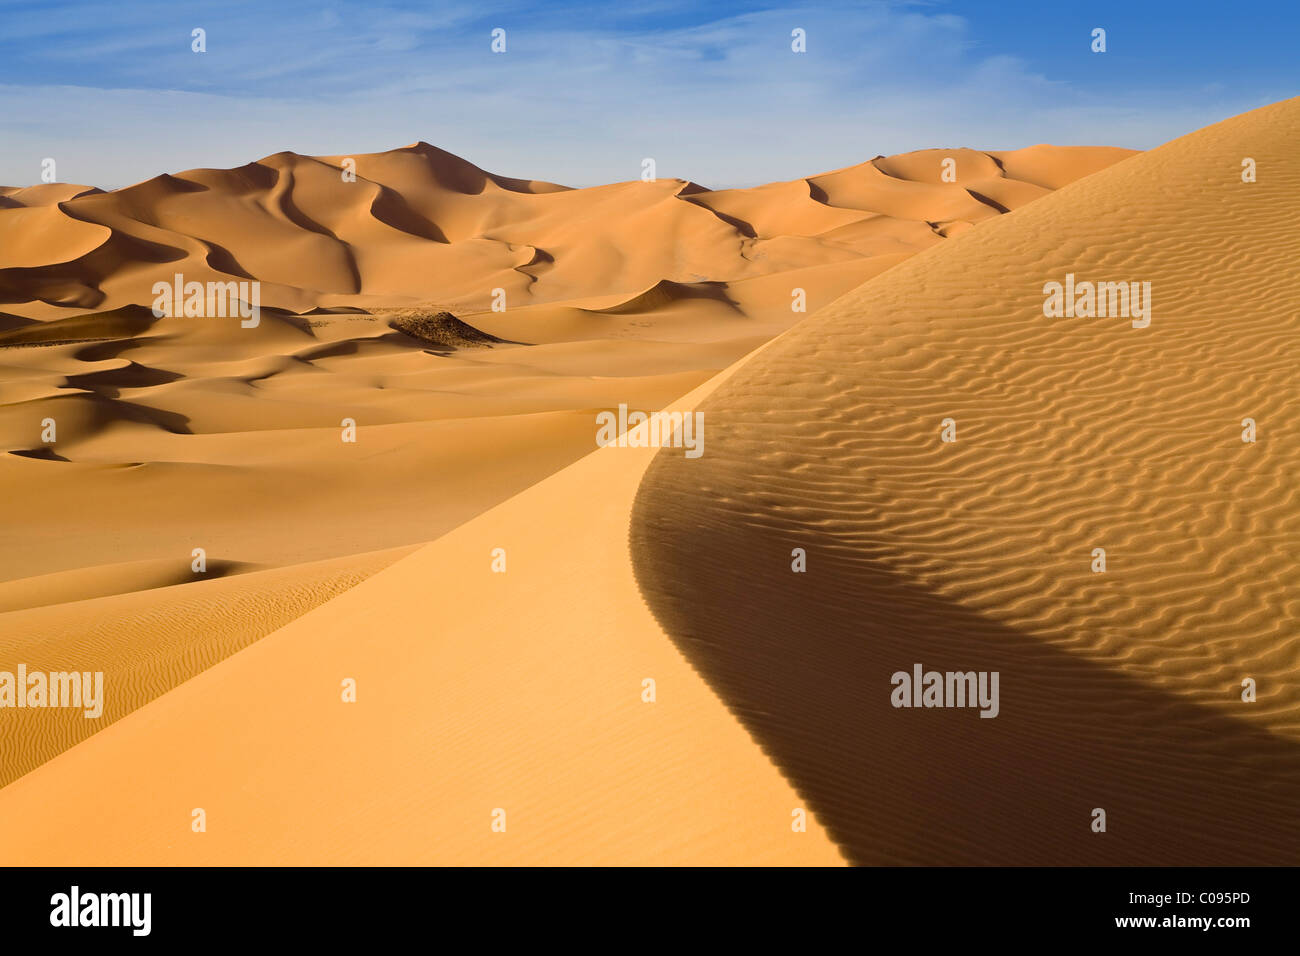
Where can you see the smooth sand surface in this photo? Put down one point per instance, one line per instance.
(477, 691)
(148, 634)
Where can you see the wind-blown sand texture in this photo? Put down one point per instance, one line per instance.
(1119, 690)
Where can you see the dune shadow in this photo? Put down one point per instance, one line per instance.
(111, 382)
(804, 661)
(43, 453)
(741, 226)
(103, 350)
(222, 259)
(106, 410)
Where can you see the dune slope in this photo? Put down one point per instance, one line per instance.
(476, 691)
(1120, 689)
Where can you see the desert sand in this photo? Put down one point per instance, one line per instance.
(179, 433)
(522, 691)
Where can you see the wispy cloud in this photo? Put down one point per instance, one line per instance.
(580, 96)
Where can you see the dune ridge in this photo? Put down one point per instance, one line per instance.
(420, 226)
(1120, 690)
(457, 715)
(152, 626)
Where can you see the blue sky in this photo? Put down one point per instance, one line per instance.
(113, 92)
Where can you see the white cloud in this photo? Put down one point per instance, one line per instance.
(723, 103)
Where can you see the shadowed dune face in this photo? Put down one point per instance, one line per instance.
(804, 662)
(1121, 689)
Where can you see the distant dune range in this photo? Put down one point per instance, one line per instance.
(420, 225)
(181, 433)
(522, 691)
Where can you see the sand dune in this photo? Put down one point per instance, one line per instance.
(521, 690)
(1120, 690)
(377, 303)
(148, 628)
(419, 226)
(376, 294)
(476, 691)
